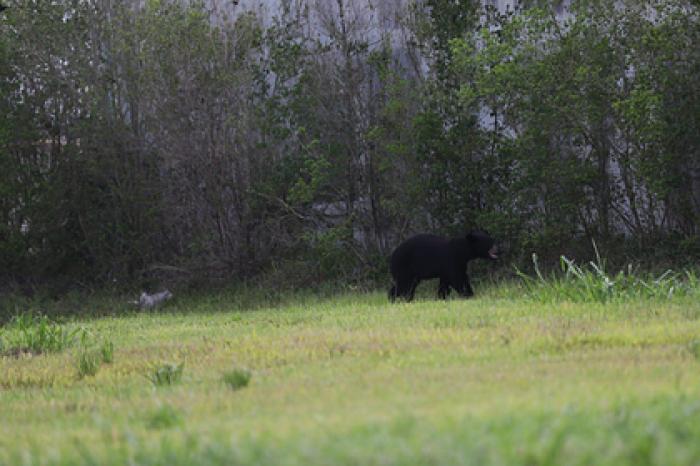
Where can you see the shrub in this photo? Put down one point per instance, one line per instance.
(237, 378)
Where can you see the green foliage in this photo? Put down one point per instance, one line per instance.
(313, 176)
(107, 351)
(90, 357)
(34, 333)
(164, 417)
(170, 140)
(593, 283)
(569, 99)
(165, 374)
(332, 249)
(694, 349)
(236, 379)
(88, 362)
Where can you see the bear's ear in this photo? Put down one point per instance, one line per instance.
(471, 237)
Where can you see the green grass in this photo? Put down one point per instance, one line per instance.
(35, 334)
(167, 373)
(90, 358)
(502, 379)
(88, 362)
(106, 351)
(593, 282)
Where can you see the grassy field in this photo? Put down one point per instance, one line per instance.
(352, 379)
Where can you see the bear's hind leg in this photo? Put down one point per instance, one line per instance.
(460, 282)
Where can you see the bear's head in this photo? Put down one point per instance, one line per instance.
(482, 245)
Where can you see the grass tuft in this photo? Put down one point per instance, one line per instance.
(88, 362)
(237, 378)
(107, 351)
(90, 358)
(36, 334)
(694, 349)
(593, 283)
(166, 374)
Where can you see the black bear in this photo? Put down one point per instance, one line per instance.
(422, 257)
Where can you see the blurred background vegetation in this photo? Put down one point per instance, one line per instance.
(189, 142)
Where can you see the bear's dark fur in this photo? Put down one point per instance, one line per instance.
(422, 257)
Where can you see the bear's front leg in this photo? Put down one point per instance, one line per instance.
(468, 292)
(443, 288)
(412, 290)
(460, 282)
(464, 290)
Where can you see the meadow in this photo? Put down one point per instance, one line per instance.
(510, 377)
